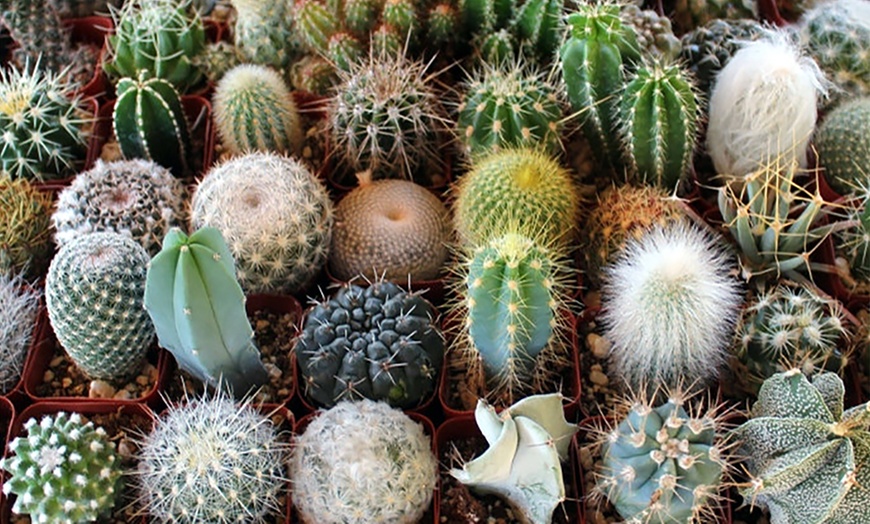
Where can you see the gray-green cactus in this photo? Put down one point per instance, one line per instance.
(842, 142)
(263, 32)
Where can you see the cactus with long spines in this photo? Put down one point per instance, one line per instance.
(25, 229)
(17, 320)
(263, 32)
(854, 242)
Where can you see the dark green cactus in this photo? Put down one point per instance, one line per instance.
(443, 25)
(843, 145)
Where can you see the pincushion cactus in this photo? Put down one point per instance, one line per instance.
(690, 14)
(843, 145)
(17, 320)
(25, 234)
(263, 32)
(401, 471)
(63, 471)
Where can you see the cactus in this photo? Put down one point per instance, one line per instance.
(25, 237)
(655, 37)
(275, 216)
(360, 16)
(509, 106)
(401, 16)
(83, 8)
(64, 470)
(93, 294)
(691, 14)
(805, 456)
(36, 27)
(854, 242)
(212, 460)
(522, 185)
(669, 307)
(264, 32)
(843, 146)
(149, 123)
(442, 25)
(659, 114)
(313, 74)
(17, 318)
(317, 24)
(36, 103)
(217, 59)
(401, 471)
(538, 29)
(136, 198)
(496, 47)
(160, 37)
(254, 112)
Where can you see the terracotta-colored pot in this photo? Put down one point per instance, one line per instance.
(93, 30)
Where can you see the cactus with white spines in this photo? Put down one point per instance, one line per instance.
(17, 318)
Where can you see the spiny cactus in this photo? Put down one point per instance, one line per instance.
(137, 198)
(854, 242)
(401, 471)
(843, 145)
(212, 460)
(217, 58)
(263, 32)
(313, 74)
(669, 307)
(64, 470)
(35, 26)
(655, 37)
(83, 8)
(275, 216)
(17, 318)
(442, 24)
(93, 294)
(253, 111)
(25, 234)
(806, 458)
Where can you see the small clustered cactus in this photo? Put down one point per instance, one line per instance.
(842, 142)
(25, 233)
(17, 320)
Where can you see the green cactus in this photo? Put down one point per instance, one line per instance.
(218, 58)
(264, 32)
(538, 29)
(64, 470)
(313, 74)
(149, 123)
(386, 41)
(25, 234)
(360, 16)
(35, 26)
(655, 37)
(401, 16)
(442, 25)
(496, 47)
(854, 242)
(344, 50)
(17, 320)
(806, 458)
(843, 146)
(93, 294)
(160, 37)
(317, 24)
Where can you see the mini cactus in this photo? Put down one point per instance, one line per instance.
(254, 112)
(442, 24)
(25, 235)
(212, 460)
(806, 458)
(401, 16)
(843, 145)
(137, 198)
(538, 28)
(400, 469)
(35, 26)
(669, 307)
(93, 294)
(275, 216)
(17, 318)
(655, 37)
(64, 470)
(263, 32)
(854, 242)
(313, 74)
(217, 58)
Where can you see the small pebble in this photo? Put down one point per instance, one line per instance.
(123, 395)
(66, 382)
(126, 450)
(48, 376)
(55, 362)
(599, 345)
(101, 389)
(598, 378)
(142, 380)
(273, 371)
(151, 371)
(262, 324)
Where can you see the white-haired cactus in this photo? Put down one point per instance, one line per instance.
(17, 318)
(363, 462)
(669, 307)
(64, 471)
(263, 32)
(805, 457)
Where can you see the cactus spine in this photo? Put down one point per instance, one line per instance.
(25, 233)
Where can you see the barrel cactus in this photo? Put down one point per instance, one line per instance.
(263, 32)
(275, 216)
(63, 470)
(25, 234)
(843, 145)
(93, 294)
(17, 321)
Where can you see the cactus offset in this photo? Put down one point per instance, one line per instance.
(25, 234)
(17, 320)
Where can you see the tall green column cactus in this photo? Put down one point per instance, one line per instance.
(263, 32)
(149, 123)
(198, 310)
(537, 26)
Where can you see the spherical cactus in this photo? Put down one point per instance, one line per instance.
(94, 296)
(137, 198)
(508, 106)
(669, 306)
(843, 146)
(390, 229)
(364, 436)
(442, 24)
(254, 112)
(263, 33)
(64, 471)
(211, 460)
(317, 24)
(343, 50)
(377, 342)
(360, 16)
(521, 185)
(217, 58)
(275, 216)
(312, 73)
(654, 33)
(401, 15)
(17, 318)
(25, 234)
(690, 14)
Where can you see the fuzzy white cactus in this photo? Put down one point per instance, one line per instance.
(17, 316)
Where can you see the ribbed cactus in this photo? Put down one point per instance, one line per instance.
(275, 216)
(198, 310)
(253, 111)
(263, 32)
(538, 26)
(659, 115)
(63, 471)
(806, 458)
(149, 123)
(93, 294)
(17, 321)
(401, 16)
(136, 198)
(854, 242)
(314, 74)
(442, 24)
(217, 58)
(843, 145)
(25, 234)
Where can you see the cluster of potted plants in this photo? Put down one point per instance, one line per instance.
(562, 262)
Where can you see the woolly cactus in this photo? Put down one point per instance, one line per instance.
(263, 32)
(654, 34)
(377, 342)
(41, 121)
(93, 294)
(63, 471)
(25, 237)
(17, 318)
(843, 145)
(254, 112)
(275, 216)
(509, 106)
(669, 307)
(365, 436)
(805, 456)
(211, 460)
(136, 198)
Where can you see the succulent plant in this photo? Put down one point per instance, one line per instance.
(377, 342)
(93, 294)
(390, 229)
(655, 37)
(442, 24)
(217, 58)
(263, 32)
(17, 318)
(64, 470)
(213, 460)
(275, 216)
(806, 458)
(253, 111)
(842, 142)
(854, 242)
(25, 235)
(401, 471)
(35, 26)
(313, 74)
(83, 8)
(669, 307)
(691, 14)
(137, 198)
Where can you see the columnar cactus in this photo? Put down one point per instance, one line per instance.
(805, 456)
(263, 32)
(93, 294)
(25, 234)
(137, 198)
(17, 319)
(843, 145)
(253, 111)
(64, 470)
